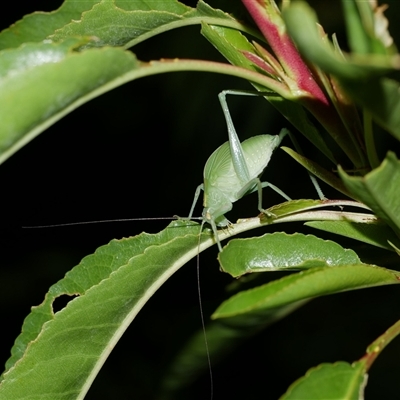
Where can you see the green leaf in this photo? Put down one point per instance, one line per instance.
(74, 18)
(359, 75)
(357, 37)
(308, 210)
(302, 26)
(110, 286)
(329, 382)
(379, 190)
(294, 207)
(112, 22)
(367, 28)
(38, 26)
(58, 355)
(230, 43)
(172, 6)
(306, 284)
(270, 253)
(381, 97)
(375, 234)
(233, 45)
(340, 380)
(117, 25)
(40, 83)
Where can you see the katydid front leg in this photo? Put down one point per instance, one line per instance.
(233, 171)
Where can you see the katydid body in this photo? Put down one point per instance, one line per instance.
(233, 170)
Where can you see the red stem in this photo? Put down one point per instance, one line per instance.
(268, 20)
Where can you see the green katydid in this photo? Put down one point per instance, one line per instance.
(233, 171)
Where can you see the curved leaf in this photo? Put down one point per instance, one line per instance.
(74, 18)
(306, 284)
(270, 253)
(340, 380)
(379, 190)
(111, 22)
(295, 206)
(329, 382)
(308, 210)
(117, 25)
(60, 354)
(375, 234)
(110, 286)
(233, 45)
(40, 82)
(37, 26)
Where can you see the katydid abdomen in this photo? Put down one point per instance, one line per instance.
(223, 186)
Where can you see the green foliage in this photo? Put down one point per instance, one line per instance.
(329, 381)
(47, 81)
(268, 253)
(110, 287)
(344, 104)
(377, 191)
(315, 281)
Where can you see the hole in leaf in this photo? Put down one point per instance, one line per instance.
(61, 302)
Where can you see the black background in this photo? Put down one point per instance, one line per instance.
(139, 151)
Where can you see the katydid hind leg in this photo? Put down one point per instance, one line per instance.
(260, 186)
(238, 159)
(266, 184)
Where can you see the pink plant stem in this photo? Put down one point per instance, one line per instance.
(267, 17)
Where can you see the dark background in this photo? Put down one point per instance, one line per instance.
(139, 151)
